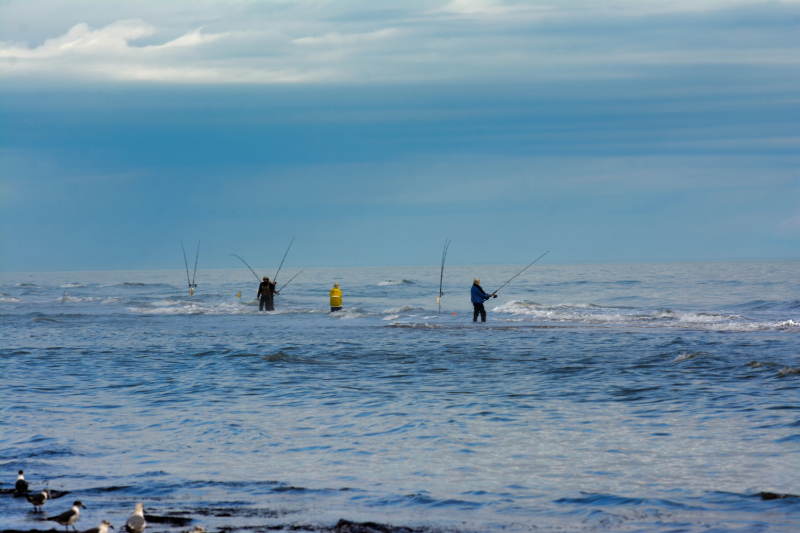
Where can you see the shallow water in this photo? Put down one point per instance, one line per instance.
(657, 397)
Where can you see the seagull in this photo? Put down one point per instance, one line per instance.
(37, 500)
(22, 485)
(70, 517)
(102, 528)
(136, 523)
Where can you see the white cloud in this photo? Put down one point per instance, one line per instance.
(336, 38)
(427, 41)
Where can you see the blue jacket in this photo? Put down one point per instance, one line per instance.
(478, 296)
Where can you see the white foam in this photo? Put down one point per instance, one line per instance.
(404, 309)
(593, 314)
(11, 300)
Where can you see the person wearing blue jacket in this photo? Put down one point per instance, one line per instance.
(478, 297)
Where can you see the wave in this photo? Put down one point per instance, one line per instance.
(393, 282)
(598, 315)
(137, 284)
(686, 356)
(767, 305)
(25, 285)
(11, 300)
(404, 309)
(73, 285)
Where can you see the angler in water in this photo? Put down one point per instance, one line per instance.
(478, 297)
(266, 293)
(336, 298)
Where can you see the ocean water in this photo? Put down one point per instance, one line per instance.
(633, 397)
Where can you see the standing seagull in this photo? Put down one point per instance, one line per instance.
(38, 500)
(22, 485)
(102, 528)
(70, 517)
(136, 523)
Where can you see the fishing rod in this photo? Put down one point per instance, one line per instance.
(288, 282)
(441, 275)
(520, 272)
(248, 266)
(196, 257)
(281, 265)
(185, 262)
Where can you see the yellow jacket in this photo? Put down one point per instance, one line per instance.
(336, 298)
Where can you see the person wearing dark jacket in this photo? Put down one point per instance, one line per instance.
(266, 291)
(478, 297)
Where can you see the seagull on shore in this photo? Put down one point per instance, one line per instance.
(102, 528)
(22, 485)
(38, 500)
(136, 523)
(70, 517)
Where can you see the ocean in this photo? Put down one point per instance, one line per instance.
(658, 397)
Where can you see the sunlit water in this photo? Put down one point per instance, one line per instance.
(658, 397)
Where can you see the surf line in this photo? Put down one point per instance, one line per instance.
(441, 275)
(192, 284)
(520, 272)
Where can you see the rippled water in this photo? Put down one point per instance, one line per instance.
(659, 397)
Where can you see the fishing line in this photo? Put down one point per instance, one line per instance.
(520, 272)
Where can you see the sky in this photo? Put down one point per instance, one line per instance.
(603, 131)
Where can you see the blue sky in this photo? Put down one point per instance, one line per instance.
(602, 131)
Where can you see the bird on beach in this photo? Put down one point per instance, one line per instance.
(136, 523)
(21, 485)
(69, 518)
(37, 500)
(102, 528)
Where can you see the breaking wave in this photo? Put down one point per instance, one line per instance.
(393, 282)
(598, 315)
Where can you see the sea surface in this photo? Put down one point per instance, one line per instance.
(630, 397)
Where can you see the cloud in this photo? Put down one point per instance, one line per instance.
(336, 38)
(435, 41)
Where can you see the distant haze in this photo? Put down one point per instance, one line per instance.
(602, 131)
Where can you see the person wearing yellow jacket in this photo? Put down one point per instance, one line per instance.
(336, 298)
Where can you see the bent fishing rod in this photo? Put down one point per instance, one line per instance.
(248, 266)
(281, 265)
(288, 282)
(520, 272)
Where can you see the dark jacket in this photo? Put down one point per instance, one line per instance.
(266, 289)
(478, 295)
